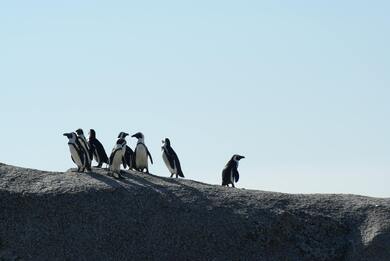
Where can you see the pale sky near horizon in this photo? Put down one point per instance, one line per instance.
(301, 88)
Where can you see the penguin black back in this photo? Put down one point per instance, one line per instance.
(97, 149)
(85, 146)
(171, 159)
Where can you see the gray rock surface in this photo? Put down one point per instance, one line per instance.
(90, 216)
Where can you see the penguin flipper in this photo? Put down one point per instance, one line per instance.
(236, 175)
(101, 151)
(150, 156)
(73, 159)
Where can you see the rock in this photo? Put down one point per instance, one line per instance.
(90, 216)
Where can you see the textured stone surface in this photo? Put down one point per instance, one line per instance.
(90, 216)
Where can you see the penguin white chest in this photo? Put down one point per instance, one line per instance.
(141, 158)
(75, 155)
(116, 163)
(166, 161)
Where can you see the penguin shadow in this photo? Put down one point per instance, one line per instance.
(104, 178)
(129, 179)
(194, 192)
(173, 192)
(136, 178)
(133, 179)
(176, 193)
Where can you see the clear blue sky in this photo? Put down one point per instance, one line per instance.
(301, 88)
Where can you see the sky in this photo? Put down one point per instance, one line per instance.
(301, 88)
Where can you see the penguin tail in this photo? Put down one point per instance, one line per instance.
(180, 173)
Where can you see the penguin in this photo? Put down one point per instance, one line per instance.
(85, 146)
(116, 157)
(97, 149)
(171, 159)
(230, 173)
(76, 152)
(141, 154)
(129, 153)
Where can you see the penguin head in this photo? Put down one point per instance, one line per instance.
(92, 133)
(237, 157)
(70, 136)
(80, 132)
(138, 135)
(167, 142)
(122, 135)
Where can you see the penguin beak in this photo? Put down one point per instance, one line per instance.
(241, 157)
(67, 135)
